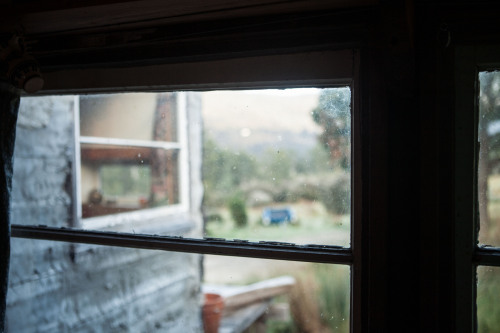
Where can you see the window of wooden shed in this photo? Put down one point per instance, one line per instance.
(131, 146)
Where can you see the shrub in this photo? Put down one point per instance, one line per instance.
(238, 210)
(319, 300)
(488, 289)
(333, 295)
(336, 194)
(304, 305)
(308, 190)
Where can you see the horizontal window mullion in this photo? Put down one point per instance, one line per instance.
(487, 257)
(264, 250)
(130, 143)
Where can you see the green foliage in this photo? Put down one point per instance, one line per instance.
(277, 165)
(319, 300)
(224, 171)
(334, 296)
(122, 180)
(275, 326)
(489, 98)
(333, 114)
(488, 305)
(238, 210)
(336, 194)
(317, 160)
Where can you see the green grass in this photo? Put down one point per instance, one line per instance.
(313, 223)
(320, 301)
(488, 304)
(488, 286)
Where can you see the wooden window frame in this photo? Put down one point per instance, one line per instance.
(321, 69)
(469, 61)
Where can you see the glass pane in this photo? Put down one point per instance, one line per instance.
(488, 301)
(118, 179)
(135, 116)
(63, 287)
(489, 158)
(291, 296)
(258, 165)
(277, 164)
(44, 148)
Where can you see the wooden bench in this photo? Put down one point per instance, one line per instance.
(243, 305)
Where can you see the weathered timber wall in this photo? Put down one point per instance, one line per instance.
(62, 287)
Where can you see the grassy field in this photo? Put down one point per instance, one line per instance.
(314, 225)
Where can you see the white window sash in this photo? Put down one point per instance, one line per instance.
(129, 218)
(129, 142)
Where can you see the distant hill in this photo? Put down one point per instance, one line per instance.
(255, 121)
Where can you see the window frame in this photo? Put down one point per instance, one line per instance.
(133, 217)
(321, 69)
(469, 255)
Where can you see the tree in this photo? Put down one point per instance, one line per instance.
(277, 165)
(225, 170)
(333, 114)
(316, 160)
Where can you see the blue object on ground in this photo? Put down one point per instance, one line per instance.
(277, 215)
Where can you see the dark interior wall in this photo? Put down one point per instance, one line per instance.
(441, 31)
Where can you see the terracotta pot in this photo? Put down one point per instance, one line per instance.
(212, 312)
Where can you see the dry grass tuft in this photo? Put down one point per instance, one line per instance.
(304, 306)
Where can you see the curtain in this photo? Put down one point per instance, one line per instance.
(9, 107)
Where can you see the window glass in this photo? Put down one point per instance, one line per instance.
(488, 302)
(135, 116)
(489, 158)
(65, 287)
(118, 179)
(43, 159)
(277, 164)
(58, 286)
(308, 297)
(270, 165)
(121, 171)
